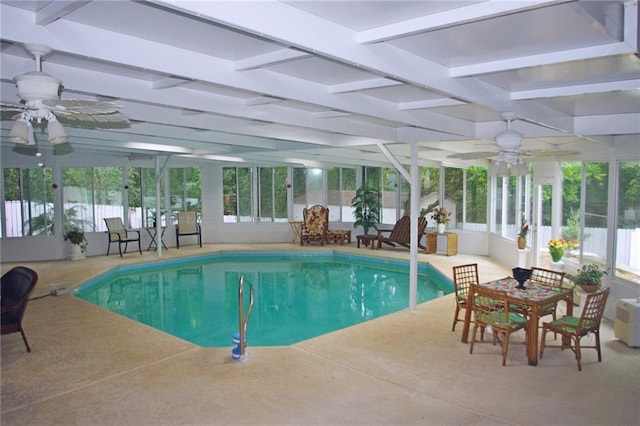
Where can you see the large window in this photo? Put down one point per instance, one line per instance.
(270, 186)
(594, 237)
(389, 194)
(185, 189)
(430, 193)
(341, 188)
(628, 221)
(28, 207)
(475, 205)
(272, 194)
(91, 194)
(237, 194)
(454, 195)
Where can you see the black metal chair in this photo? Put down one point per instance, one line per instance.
(17, 284)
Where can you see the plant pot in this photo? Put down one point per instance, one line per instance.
(589, 288)
(557, 266)
(76, 252)
(441, 227)
(522, 243)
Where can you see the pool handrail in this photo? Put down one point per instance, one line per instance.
(242, 320)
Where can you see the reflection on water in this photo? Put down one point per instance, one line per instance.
(297, 297)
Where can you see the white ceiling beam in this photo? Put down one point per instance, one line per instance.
(331, 114)
(168, 82)
(363, 85)
(510, 64)
(262, 100)
(103, 45)
(54, 10)
(259, 61)
(580, 89)
(431, 103)
(459, 15)
(616, 124)
(302, 31)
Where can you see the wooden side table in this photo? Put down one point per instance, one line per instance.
(432, 243)
(367, 239)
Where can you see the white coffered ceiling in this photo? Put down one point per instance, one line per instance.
(327, 82)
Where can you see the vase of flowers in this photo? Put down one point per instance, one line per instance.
(442, 217)
(522, 235)
(556, 249)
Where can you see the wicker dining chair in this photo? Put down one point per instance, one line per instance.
(572, 329)
(463, 277)
(548, 278)
(491, 309)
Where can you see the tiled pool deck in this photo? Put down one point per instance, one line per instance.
(89, 366)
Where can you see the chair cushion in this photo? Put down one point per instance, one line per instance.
(498, 317)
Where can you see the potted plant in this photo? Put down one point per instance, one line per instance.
(589, 277)
(366, 204)
(78, 242)
(522, 235)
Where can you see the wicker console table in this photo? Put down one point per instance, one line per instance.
(432, 243)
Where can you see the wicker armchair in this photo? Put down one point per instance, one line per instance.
(573, 329)
(315, 225)
(15, 289)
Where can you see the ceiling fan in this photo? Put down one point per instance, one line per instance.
(509, 158)
(39, 95)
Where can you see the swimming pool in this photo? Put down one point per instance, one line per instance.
(297, 295)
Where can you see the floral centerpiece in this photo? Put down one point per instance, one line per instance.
(441, 215)
(556, 249)
(524, 227)
(522, 235)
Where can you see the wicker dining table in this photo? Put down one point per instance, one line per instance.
(533, 298)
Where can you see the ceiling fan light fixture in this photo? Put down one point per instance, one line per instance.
(509, 140)
(57, 134)
(502, 169)
(22, 132)
(520, 169)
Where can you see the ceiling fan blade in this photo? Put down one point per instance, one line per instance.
(110, 120)
(11, 107)
(551, 153)
(473, 155)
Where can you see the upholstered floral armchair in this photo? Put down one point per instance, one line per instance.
(315, 224)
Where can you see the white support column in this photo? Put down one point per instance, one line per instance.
(415, 208)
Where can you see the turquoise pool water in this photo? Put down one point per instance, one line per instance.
(297, 296)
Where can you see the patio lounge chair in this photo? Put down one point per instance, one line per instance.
(315, 225)
(117, 233)
(401, 233)
(188, 225)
